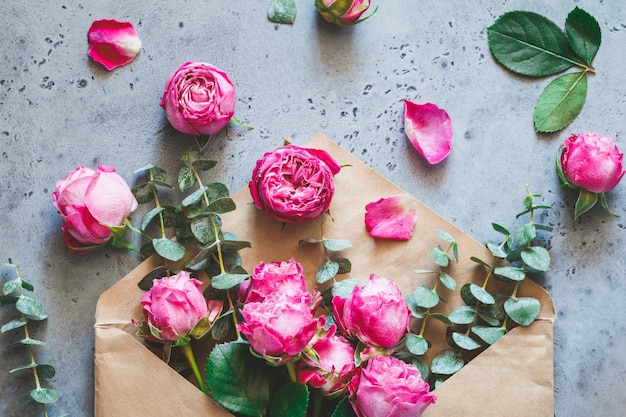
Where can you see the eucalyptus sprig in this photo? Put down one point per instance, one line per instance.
(30, 309)
(530, 44)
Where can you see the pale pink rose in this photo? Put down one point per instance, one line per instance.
(279, 327)
(377, 313)
(591, 161)
(91, 202)
(429, 130)
(335, 365)
(113, 43)
(391, 217)
(343, 13)
(294, 184)
(389, 387)
(199, 99)
(275, 276)
(174, 306)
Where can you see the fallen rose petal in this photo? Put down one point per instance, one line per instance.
(113, 43)
(391, 217)
(429, 130)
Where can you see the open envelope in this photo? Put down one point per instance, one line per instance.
(513, 377)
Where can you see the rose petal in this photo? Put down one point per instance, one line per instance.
(113, 43)
(391, 217)
(429, 130)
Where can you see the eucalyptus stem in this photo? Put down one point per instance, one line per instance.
(188, 352)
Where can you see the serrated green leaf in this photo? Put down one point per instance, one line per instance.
(336, 245)
(439, 257)
(149, 216)
(225, 281)
(291, 400)
(417, 345)
(446, 362)
(523, 235)
(169, 249)
(343, 409)
(489, 335)
(31, 308)
(45, 395)
(13, 324)
(282, 11)
(186, 178)
(583, 34)
(472, 294)
(509, 273)
(238, 380)
(522, 311)
(530, 44)
(11, 286)
(560, 102)
(586, 200)
(425, 297)
(326, 272)
(537, 258)
(462, 315)
(464, 342)
(447, 281)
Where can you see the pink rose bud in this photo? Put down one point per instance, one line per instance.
(275, 276)
(199, 99)
(334, 366)
(343, 12)
(294, 184)
(389, 387)
(429, 130)
(391, 217)
(377, 313)
(113, 43)
(279, 327)
(91, 202)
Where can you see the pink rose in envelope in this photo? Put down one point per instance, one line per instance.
(512, 377)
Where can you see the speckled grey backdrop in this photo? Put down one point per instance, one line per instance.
(59, 110)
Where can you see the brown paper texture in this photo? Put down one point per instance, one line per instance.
(514, 377)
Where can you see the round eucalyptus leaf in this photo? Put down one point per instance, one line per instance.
(447, 281)
(417, 345)
(445, 236)
(225, 281)
(31, 308)
(336, 245)
(169, 249)
(422, 367)
(425, 297)
(440, 257)
(462, 315)
(509, 273)
(326, 272)
(11, 286)
(446, 362)
(46, 371)
(537, 258)
(344, 287)
(464, 342)
(523, 235)
(472, 294)
(489, 335)
(416, 311)
(441, 317)
(522, 311)
(497, 250)
(45, 395)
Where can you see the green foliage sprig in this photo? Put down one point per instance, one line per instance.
(532, 45)
(13, 293)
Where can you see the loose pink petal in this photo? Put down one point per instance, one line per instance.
(429, 130)
(391, 217)
(113, 43)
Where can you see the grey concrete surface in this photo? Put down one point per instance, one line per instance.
(59, 109)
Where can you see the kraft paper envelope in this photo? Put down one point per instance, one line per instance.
(513, 377)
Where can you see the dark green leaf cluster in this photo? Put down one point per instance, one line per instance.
(532, 45)
(30, 309)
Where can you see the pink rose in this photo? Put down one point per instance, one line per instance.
(275, 276)
(335, 365)
(91, 202)
(113, 43)
(199, 99)
(377, 313)
(389, 387)
(279, 327)
(341, 12)
(175, 305)
(294, 184)
(591, 161)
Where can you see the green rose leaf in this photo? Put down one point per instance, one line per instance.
(447, 281)
(169, 249)
(237, 380)
(522, 311)
(282, 11)
(462, 315)
(447, 362)
(510, 273)
(530, 44)
(583, 34)
(336, 245)
(31, 308)
(489, 335)
(13, 324)
(417, 345)
(225, 281)
(326, 272)
(464, 342)
(586, 200)
(343, 409)
(45, 395)
(425, 297)
(560, 102)
(537, 258)
(291, 400)
(472, 294)
(440, 257)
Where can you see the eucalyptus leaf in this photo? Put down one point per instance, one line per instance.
(500, 229)
(509, 273)
(238, 380)
(149, 216)
(440, 257)
(291, 400)
(27, 341)
(464, 342)
(45, 395)
(13, 324)
(583, 34)
(497, 250)
(282, 11)
(447, 281)
(462, 315)
(425, 297)
(31, 308)
(530, 44)
(27, 286)
(489, 335)
(143, 192)
(523, 235)
(194, 197)
(416, 311)
(326, 272)
(480, 261)
(225, 281)
(186, 178)
(216, 191)
(537, 258)
(221, 205)
(204, 164)
(522, 311)
(422, 367)
(345, 287)
(417, 345)
(169, 249)
(447, 362)
(345, 266)
(310, 240)
(445, 236)
(336, 245)
(441, 317)
(202, 229)
(472, 294)
(157, 273)
(23, 368)
(46, 371)
(560, 102)
(11, 286)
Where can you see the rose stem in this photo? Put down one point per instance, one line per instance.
(194, 366)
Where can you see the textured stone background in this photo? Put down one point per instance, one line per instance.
(59, 109)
